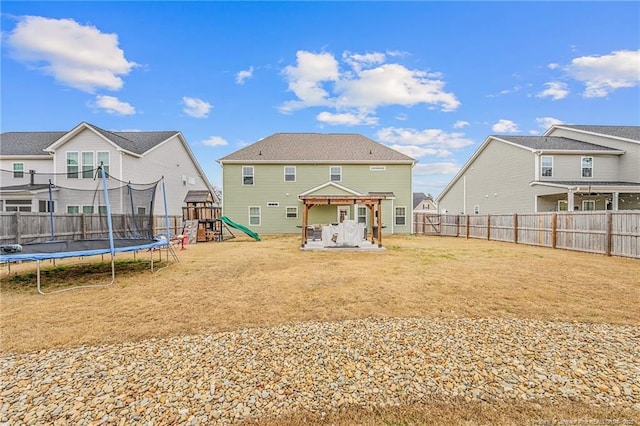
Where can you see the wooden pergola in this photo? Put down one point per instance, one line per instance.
(373, 201)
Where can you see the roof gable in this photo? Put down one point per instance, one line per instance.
(330, 188)
(551, 143)
(317, 147)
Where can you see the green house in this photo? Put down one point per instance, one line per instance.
(265, 184)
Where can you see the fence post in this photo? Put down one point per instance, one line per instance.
(608, 236)
(468, 221)
(515, 228)
(17, 219)
(457, 226)
(83, 227)
(554, 229)
(489, 227)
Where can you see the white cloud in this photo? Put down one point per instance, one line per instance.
(346, 119)
(195, 107)
(555, 90)
(431, 169)
(113, 105)
(215, 141)
(244, 75)
(546, 122)
(460, 124)
(367, 84)
(416, 152)
(505, 126)
(514, 89)
(553, 66)
(604, 74)
(78, 56)
(428, 137)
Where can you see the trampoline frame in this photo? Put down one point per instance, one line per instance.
(111, 249)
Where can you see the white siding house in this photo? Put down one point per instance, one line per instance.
(567, 168)
(69, 159)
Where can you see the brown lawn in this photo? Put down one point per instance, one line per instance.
(241, 283)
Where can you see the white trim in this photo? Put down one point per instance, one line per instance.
(259, 215)
(66, 164)
(286, 212)
(253, 176)
(395, 216)
(542, 157)
(13, 170)
(377, 168)
(586, 132)
(347, 209)
(79, 128)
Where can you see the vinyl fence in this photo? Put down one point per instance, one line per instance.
(25, 227)
(604, 232)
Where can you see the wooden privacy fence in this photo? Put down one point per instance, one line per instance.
(24, 227)
(605, 232)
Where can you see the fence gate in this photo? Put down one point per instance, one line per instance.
(427, 223)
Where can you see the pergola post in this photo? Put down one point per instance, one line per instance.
(379, 223)
(305, 220)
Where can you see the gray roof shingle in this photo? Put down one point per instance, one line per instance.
(319, 147)
(553, 143)
(34, 143)
(626, 132)
(27, 143)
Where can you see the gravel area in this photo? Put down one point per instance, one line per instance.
(322, 367)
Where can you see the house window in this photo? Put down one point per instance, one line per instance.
(588, 205)
(72, 165)
(563, 205)
(87, 209)
(247, 175)
(362, 215)
(103, 158)
(291, 213)
(587, 167)
(377, 168)
(254, 215)
(476, 209)
(141, 211)
(289, 173)
(102, 209)
(335, 173)
(17, 205)
(18, 170)
(73, 209)
(87, 165)
(546, 166)
(401, 215)
(46, 206)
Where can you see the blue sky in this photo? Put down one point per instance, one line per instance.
(430, 79)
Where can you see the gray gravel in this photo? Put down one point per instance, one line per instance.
(322, 367)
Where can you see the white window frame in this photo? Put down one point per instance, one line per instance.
(88, 209)
(45, 208)
(258, 216)
(339, 173)
(245, 176)
(365, 216)
(287, 209)
(377, 168)
(70, 174)
(24, 206)
(87, 168)
(543, 166)
(345, 209)
(588, 202)
(583, 168)
(397, 215)
(73, 207)
(105, 165)
(290, 173)
(17, 172)
(564, 203)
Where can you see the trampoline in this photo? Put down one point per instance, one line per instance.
(131, 206)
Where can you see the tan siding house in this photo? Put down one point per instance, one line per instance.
(262, 182)
(567, 168)
(139, 157)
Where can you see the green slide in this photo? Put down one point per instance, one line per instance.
(243, 228)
